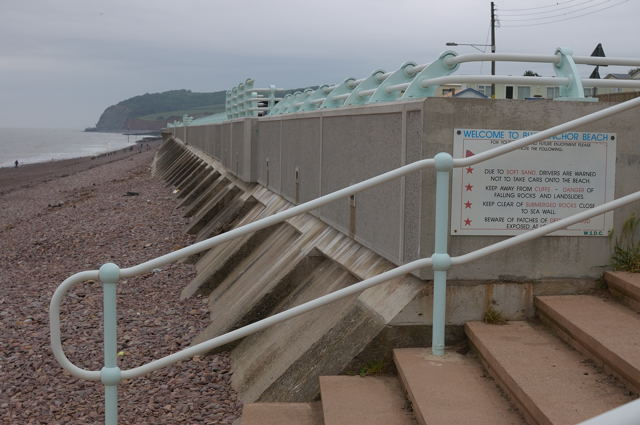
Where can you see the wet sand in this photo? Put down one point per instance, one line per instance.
(63, 217)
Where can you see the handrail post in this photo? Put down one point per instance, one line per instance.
(272, 99)
(110, 374)
(440, 259)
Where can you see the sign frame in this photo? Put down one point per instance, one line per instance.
(532, 186)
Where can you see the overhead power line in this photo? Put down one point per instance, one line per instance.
(568, 18)
(540, 7)
(558, 15)
(486, 40)
(552, 9)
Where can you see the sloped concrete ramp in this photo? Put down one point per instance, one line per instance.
(272, 270)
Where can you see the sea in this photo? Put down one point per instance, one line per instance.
(31, 145)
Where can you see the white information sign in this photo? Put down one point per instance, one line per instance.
(533, 186)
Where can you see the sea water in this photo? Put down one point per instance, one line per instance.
(29, 145)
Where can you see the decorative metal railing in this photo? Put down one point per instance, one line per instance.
(110, 375)
(246, 101)
(413, 81)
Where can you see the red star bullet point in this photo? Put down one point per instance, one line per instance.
(469, 187)
(469, 170)
(467, 222)
(468, 204)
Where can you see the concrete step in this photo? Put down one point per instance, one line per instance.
(354, 400)
(452, 390)
(550, 382)
(626, 286)
(601, 328)
(282, 414)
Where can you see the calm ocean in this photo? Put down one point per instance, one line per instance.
(29, 145)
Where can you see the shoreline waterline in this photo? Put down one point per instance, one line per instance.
(38, 145)
(12, 178)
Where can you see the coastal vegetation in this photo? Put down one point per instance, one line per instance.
(626, 248)
(154, 110)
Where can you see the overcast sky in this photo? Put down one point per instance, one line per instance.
(63, 62)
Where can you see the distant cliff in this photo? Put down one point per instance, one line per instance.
(153, 111)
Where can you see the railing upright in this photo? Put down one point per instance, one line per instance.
(440, 258)
(110, 374)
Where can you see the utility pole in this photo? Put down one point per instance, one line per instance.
(493, 47)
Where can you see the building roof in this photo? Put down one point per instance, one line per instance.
(618, 77)
(470, 93)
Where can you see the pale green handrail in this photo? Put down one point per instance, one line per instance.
(412, 81)
(109, 274)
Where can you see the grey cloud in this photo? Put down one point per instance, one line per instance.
(62, 63)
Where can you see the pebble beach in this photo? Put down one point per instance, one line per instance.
(63, 217)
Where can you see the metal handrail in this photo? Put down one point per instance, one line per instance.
(260, 325)
(524, 57)
(511, 79)
(414, 81)
(440, 261)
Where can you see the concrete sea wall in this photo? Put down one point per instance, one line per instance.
(234, 173)
(302, 156)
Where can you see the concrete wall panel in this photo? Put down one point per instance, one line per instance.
(237, 148)
(225, 145)
(268, 151)
(335, 148)
(554, 256)
(355, 148)
(301, 150)
(217, 141)
(412, 192)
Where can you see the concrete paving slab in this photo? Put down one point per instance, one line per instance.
(550, 382)
(602, 328)
(354, 400)
(452, 390)
(282, 414)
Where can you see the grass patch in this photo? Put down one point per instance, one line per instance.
(626, 248)
(494, 317)
(372, 368)
(376, 367)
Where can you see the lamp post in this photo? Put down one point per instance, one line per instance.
(492, 45)
(474, 45)
(493, 63)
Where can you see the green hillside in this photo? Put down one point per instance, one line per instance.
(159, 107)
(154, 110)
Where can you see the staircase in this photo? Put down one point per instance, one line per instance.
(580, 358)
